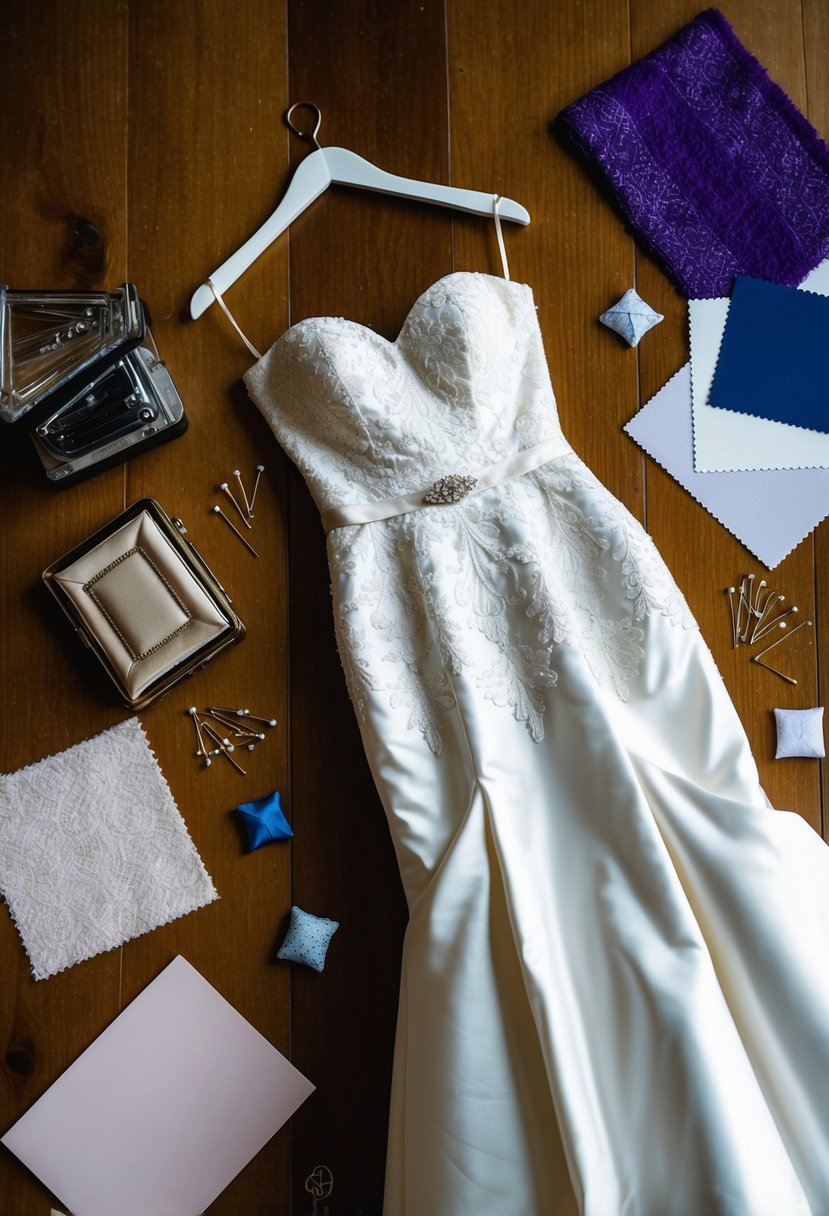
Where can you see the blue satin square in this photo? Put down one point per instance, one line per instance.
(264, 820)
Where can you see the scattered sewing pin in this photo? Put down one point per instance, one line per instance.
(778, 621)
(748, 597)
(228, 729)
(761, 622)
(757, 610)
(741, 602)
(730, 592)
(225, 488)
(260, 469)
(754, 619)
(223, 746)
(218, 739)
(241, 733)
(256, 718)
(230, 524)
(245, 513)
(201, 750)
(789, 634)
(758, 658)
(237, 474)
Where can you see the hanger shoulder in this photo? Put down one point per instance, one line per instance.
(311, 178)
(349, 169)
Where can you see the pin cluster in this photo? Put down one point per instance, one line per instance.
(245, 512)
(221, 732)
(759, 614)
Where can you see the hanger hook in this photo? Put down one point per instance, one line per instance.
(310, 136)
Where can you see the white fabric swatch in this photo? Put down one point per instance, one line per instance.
(93, 850)
(770, 511)
(725, 440)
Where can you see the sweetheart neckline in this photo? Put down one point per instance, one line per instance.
(359, 325)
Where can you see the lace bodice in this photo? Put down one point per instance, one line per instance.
(490, 588)
(465, 385)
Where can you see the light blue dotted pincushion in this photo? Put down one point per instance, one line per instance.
(307, 939)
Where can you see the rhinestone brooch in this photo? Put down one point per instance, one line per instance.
(450, 489)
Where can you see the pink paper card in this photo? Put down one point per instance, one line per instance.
(164, 1109)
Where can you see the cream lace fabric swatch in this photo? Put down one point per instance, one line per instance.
(93, 850)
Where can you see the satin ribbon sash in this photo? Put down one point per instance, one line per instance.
(492, 475)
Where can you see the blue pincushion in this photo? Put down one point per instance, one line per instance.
(264, 820)
(307, 939)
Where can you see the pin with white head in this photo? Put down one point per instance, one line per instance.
(260, 469)
(201, 750)
(731, 592)
(258, 718)
(223, 747)
(778, 622)
(237, 474)
(225, 488)
(230, 524)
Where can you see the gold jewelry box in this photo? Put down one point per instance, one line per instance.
(143, 599)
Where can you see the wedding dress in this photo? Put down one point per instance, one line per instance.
(617, 953)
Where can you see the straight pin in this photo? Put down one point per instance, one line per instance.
(730, 591)
(218, 739)
(789, 679)
(257, 718)
(260, 469)
(238, 477)
(200, 748)
(789, 634)
(761, 622)
(778, 620)
(240, 732)
(230, 524)
(227, 490)
(740, 601)
(224, 746)
(234, 762)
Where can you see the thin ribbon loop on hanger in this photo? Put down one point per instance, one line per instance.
(500, 235)
(232, 319)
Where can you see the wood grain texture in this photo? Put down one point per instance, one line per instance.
(366, 258)
(145, 141)
(206, 162)
(64, 142)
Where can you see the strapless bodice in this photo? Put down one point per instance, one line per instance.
(464, 385)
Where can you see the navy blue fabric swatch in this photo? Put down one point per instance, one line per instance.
(774, 358)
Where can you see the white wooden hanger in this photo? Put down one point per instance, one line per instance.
(314, 175)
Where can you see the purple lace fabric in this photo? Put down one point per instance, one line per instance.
(714, 168)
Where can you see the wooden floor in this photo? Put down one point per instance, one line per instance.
(145, 142)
